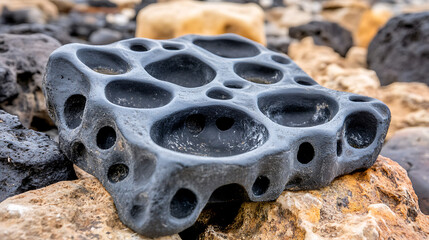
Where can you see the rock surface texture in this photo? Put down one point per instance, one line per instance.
(399, 52)
(22, 63)
(409, 147)
(149, 118)
(174, 19)
(378, 203)
(28, 159)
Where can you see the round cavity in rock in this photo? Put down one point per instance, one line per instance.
(103, 62)
(234, 84)
(280, 59)
(183, 70)
(73, 110)
(136, 211)
(305, 81)
(183, 203)
(117, 172)
(215, 131)
(260, 186)
(305, 153)
(258, 73)
(361, 129)
(78, 152)
(339, 148)
(228, 48)
(135, 94)
(360, 99)
(138, 48)
(106, 137)
(219, 94)
(298, 108)
(172, 47)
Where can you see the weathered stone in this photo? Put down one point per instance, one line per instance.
(378, 203)
(47, 10)
(79, 209)
(28, 159)
(151, 137)
(326, 34)
(289, 16)
(51, 30)
(24, 58)
(399, 51)
(409, 147)
(104, 36)
(174, 19)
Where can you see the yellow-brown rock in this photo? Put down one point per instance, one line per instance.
(173, 19)
(49, 10)
(79, 209)
(371, 22)
(378, 203)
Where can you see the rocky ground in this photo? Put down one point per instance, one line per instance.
(375, 48)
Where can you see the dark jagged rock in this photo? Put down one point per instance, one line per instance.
(53, 31)
(28, 159)
(400, 50)
(22, 64)
(169, 126)
(326, 34)
(409, 147)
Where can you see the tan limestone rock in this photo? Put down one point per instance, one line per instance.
(173, 19)
(378, 203)
(49, 9)
(371, 21)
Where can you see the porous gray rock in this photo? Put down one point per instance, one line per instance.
(400, 50)
(104, 36)
(169, 126)
(51, 30)
(28, 159)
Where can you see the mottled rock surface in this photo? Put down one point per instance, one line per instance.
(28, 159)
(326, 34)
(378, 203)
(400, 50)
(409, 147)
(174, 19)
(22, 64)
(79, 209)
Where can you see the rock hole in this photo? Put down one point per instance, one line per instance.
(361, 129)
(195, 123)
(339, 147)
(183, 70)
(260, 186)
(136, 211)
(360, 99)
(228, 48)
(171, 47)
(234, 84)
(305, 81)
(219, 94)
(229, 193)
(117, 172)
(73, 110)
(258, 73)
(183, 203)
(138, 48)
(224, 123)
(294, 182)
(305, 153)
(78, 152)
(279, 59)
(134, 94)
(103, 62)
(106, 137)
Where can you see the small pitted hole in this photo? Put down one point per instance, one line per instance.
(73, 110)
(360, 99)
(117, 172)
(183, 70)
(361, 129)
(171, 47)
(234, 85)
(103, 62)
(339, 147)
(135, 94)
(280, 59)
(138, 48)
(224, 123)
(306, 81)
(295, 181)
(106, 137)
(305, 153)
(260, 186)
(195, 123)
(219, 94)
(136, 211)
(79, 152)
(228, 48)
(183, 203)
(258, 73)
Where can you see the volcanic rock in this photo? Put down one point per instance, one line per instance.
(51, 30)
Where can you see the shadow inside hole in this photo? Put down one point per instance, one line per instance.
(234, 84)
(305, 81)
(138, 48)
(73, 110)
(305, 153)
(171, 47)
(78, 152)
(360, 99)
(224, 123)
(195, 123)
(183, 203)
(106, 137)
(258, 73)
(361, 129)
(281, 60)
(228, 48)
(219, 94)
(117, 172)
(261, 185)
(339, 147)
(103, 62)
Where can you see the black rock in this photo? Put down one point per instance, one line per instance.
(409, 147)
(28, 15)
(169, 126)
(8, 86)
(28, 159)
(326, 34)
(400, 50)
(105, 36)
(51, 30)
(81, 25)
(278, 43)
